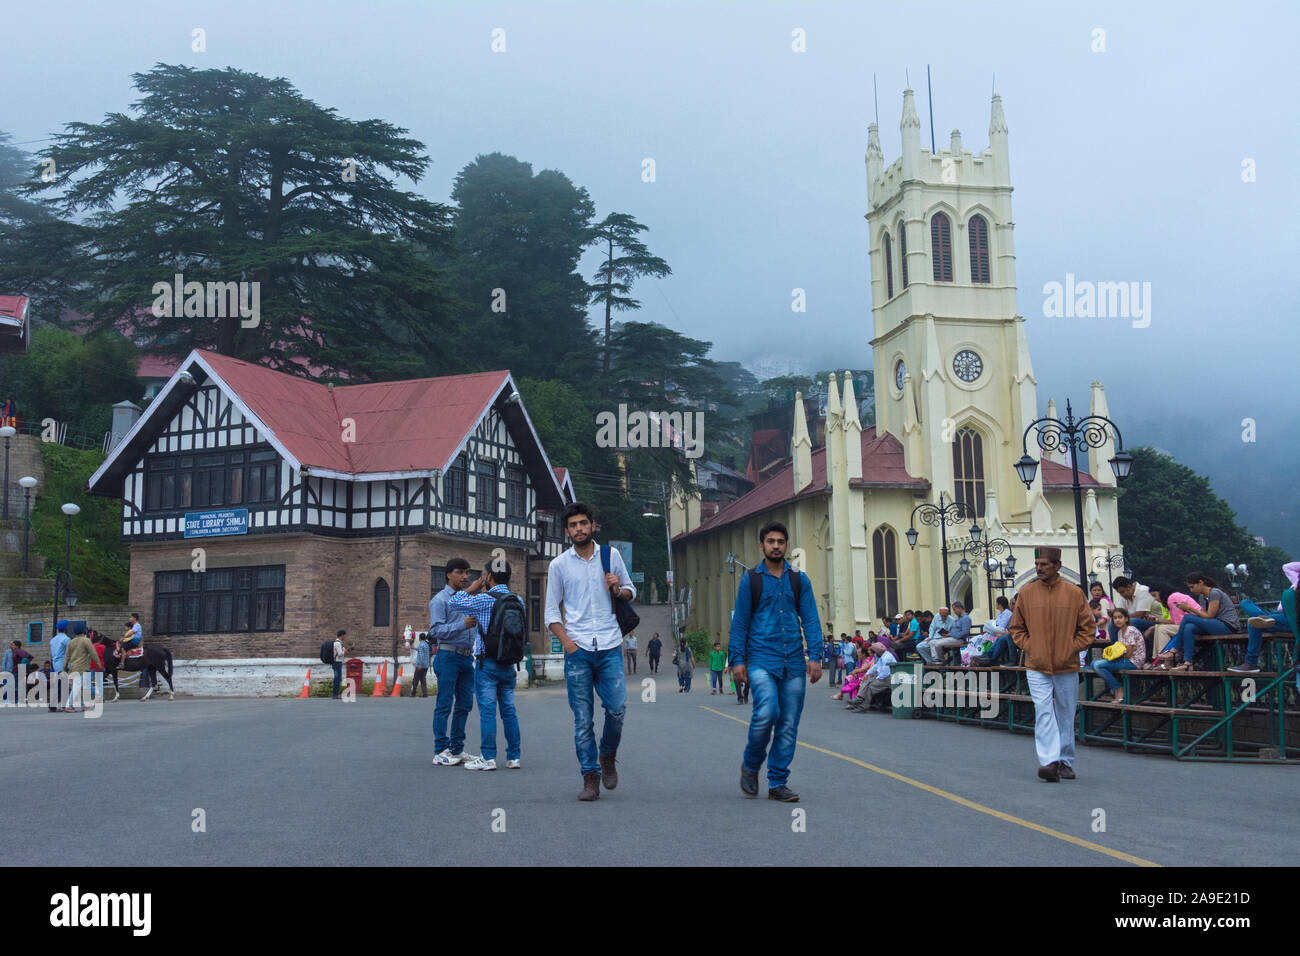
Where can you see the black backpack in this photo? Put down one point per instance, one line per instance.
(756, 588)
(327, 652)
(507, 630)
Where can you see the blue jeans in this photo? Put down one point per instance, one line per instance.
(1139, 622)
(1107, 670)
(455, 674)
(601, 671)
(496, 682)
(1003, 647)
(715, 681)
(778, 703)
(1255, 636)
(338, 677)
(1191, 626)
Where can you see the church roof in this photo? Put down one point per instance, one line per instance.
(882, 467)
(1058, 476)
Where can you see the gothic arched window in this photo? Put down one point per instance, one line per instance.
(978, 233)
(968, 469)
(902, 251)
(941, 247)
(381, 603)
(889, 269)
(885, 552)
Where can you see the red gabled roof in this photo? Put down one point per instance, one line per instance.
(882, 466)
(1056, 475)
(412, 425)
(13, 306)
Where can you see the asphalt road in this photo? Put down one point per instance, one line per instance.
(318, 782)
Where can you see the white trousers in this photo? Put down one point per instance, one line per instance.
(1056, 696)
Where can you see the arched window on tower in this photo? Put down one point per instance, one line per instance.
(889, 269)
(941, 247)
(885, 553)
(978, 234)
(381, 603)
(902, 251)
(968, 469)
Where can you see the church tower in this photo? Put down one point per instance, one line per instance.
(954, 381)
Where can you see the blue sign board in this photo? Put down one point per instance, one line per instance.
(208, 524)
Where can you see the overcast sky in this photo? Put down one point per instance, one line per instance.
(1127, 164)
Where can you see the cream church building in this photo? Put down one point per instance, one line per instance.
(955, 391)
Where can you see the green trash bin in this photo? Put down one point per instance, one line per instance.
(905, 688)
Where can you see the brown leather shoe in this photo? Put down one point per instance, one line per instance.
(1051, 773)
(590, 786)
(1065, 770)
(608, 773)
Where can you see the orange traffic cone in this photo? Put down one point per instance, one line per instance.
(381, 681)
(306, 686)
(397, 684)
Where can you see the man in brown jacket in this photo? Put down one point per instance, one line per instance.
(1052, 624)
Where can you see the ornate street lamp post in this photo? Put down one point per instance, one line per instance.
(63, 580)
(8, 432)
(1110, 562)
(943, 515)
(1091, 431)
(28, 483)
(989, 551)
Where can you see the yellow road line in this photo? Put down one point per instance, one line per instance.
(1009, 818)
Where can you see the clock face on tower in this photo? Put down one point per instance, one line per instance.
(968, 365)
(900, 370)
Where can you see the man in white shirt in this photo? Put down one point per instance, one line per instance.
(592, 642)
(876, 681)
(1137, 601)
(630, 650)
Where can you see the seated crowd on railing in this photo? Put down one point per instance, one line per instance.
(1138, 627)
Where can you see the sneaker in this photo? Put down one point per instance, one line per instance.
(1244, 668)
(1263, 623)
(512, 764)
(448, 759)
(478, 763)
(782, 793)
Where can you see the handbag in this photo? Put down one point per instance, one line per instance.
(1115, 651)
(624, 613)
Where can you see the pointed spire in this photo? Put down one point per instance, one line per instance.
(834, 413)
(997, 119)
(910, 119)
(911, 129)
(875, 161)
(852, 430)
(801, 446)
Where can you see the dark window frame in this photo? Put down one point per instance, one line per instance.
(941, 246)
(383, 611)
(179, 482)
(455, 485)
(187, 602)
(516, 492)
(884, 549)
(977, 231)
(968, 469)
(485, 505)
(889, 267)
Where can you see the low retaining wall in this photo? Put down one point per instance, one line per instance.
(283, 676)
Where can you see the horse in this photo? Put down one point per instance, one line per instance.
(155, 660)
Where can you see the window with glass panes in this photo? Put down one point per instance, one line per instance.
(516, 492)
(219, 600)
(485, 488)
(219, 479)
(454, 485)
(885, 558)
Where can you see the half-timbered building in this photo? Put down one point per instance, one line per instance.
(265, 511)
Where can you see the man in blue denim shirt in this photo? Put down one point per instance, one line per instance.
(453, 664)
(767, 649)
